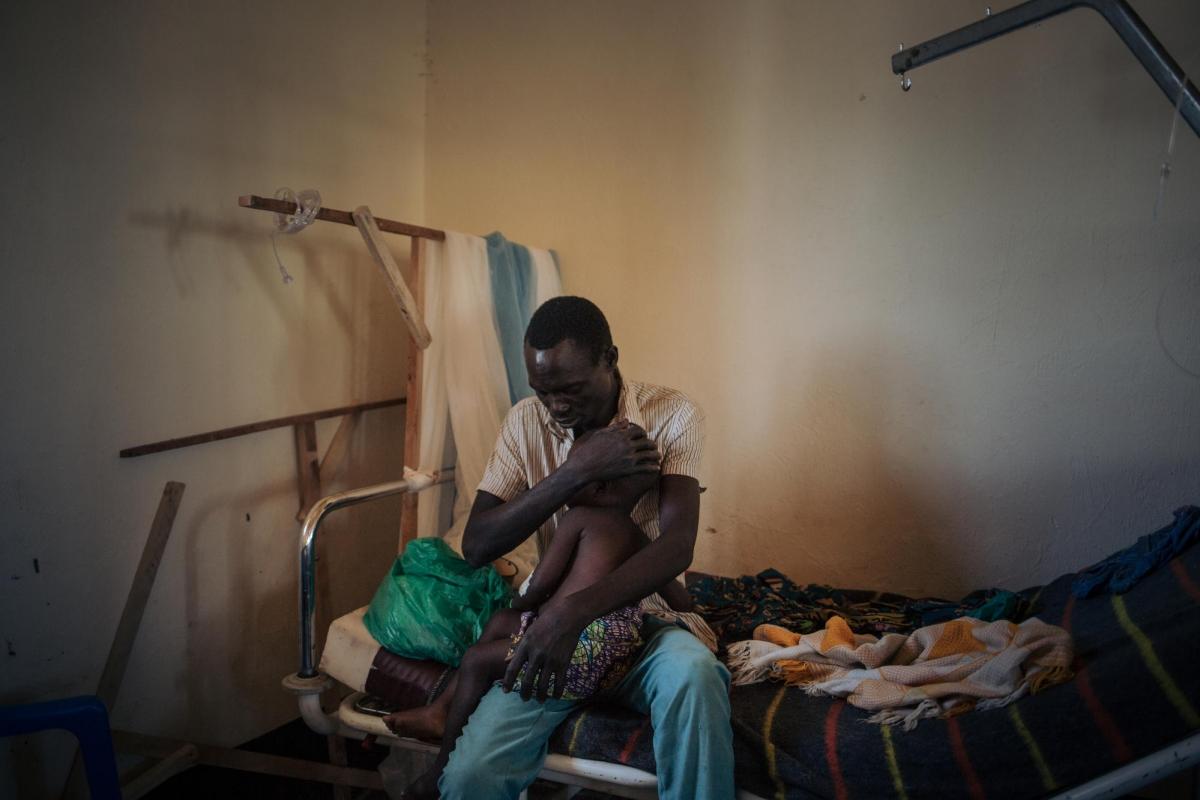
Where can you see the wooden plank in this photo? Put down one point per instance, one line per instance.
(131, 614)
(255, 427)
(335, 453)
(139, 593)
(383, 257)
(412, 411)
(160, 773)
(246, 761)
(340, 217)
(308, 467)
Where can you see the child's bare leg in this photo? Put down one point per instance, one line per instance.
(429, 722)
(483, 665)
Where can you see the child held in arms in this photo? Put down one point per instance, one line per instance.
(593, 538)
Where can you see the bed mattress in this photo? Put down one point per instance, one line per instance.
(1136, 690)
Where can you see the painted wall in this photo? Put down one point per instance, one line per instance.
(940, 337)
(941, 340)
(140, 303)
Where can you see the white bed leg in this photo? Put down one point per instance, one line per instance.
(308, 694)
(315, 717)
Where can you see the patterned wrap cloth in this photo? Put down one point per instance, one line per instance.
(606, 650)
(735, 607)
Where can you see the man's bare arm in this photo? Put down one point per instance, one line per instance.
(672, 591)
(677, 597)
(551, 569)
(496, 527)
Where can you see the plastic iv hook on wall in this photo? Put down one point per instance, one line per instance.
(308, 203)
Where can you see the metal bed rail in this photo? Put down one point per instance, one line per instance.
(308, 685)
(308, 546)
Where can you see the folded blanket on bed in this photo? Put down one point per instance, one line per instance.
(939, 670)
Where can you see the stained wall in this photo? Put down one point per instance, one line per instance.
(941, 338)
(140, 303)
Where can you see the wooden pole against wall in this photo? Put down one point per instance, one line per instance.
(340, 217)
(308, 467)
(256, 427)
(131, 615)
(412, 413)
(413, 314)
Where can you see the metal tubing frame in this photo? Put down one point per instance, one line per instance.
(1138, 774)
(1117, 13)
(1132, 776)
(308, 546)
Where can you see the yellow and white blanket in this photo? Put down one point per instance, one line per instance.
(939, 670)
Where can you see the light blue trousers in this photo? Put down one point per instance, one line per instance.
(677, 681)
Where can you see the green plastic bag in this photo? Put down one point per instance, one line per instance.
(433, 604)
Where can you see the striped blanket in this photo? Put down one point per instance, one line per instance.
(936, 671)
(1136, 689)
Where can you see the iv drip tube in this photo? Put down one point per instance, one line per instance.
(308, 204)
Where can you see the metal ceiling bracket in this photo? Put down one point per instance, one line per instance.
(1128, 25)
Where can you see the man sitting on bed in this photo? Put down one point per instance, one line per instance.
(532, 473)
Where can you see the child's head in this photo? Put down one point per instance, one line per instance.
(620, 493)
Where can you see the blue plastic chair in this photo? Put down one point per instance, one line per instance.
(84, 716)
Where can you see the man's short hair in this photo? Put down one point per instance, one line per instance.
(569, 317)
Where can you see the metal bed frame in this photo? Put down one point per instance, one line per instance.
(580, 773)
(308, 683)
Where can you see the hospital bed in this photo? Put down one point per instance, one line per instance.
(1127, 719)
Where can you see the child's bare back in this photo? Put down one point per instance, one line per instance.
(589, 543)
(605, 538)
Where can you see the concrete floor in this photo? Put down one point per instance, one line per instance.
(295, 740)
